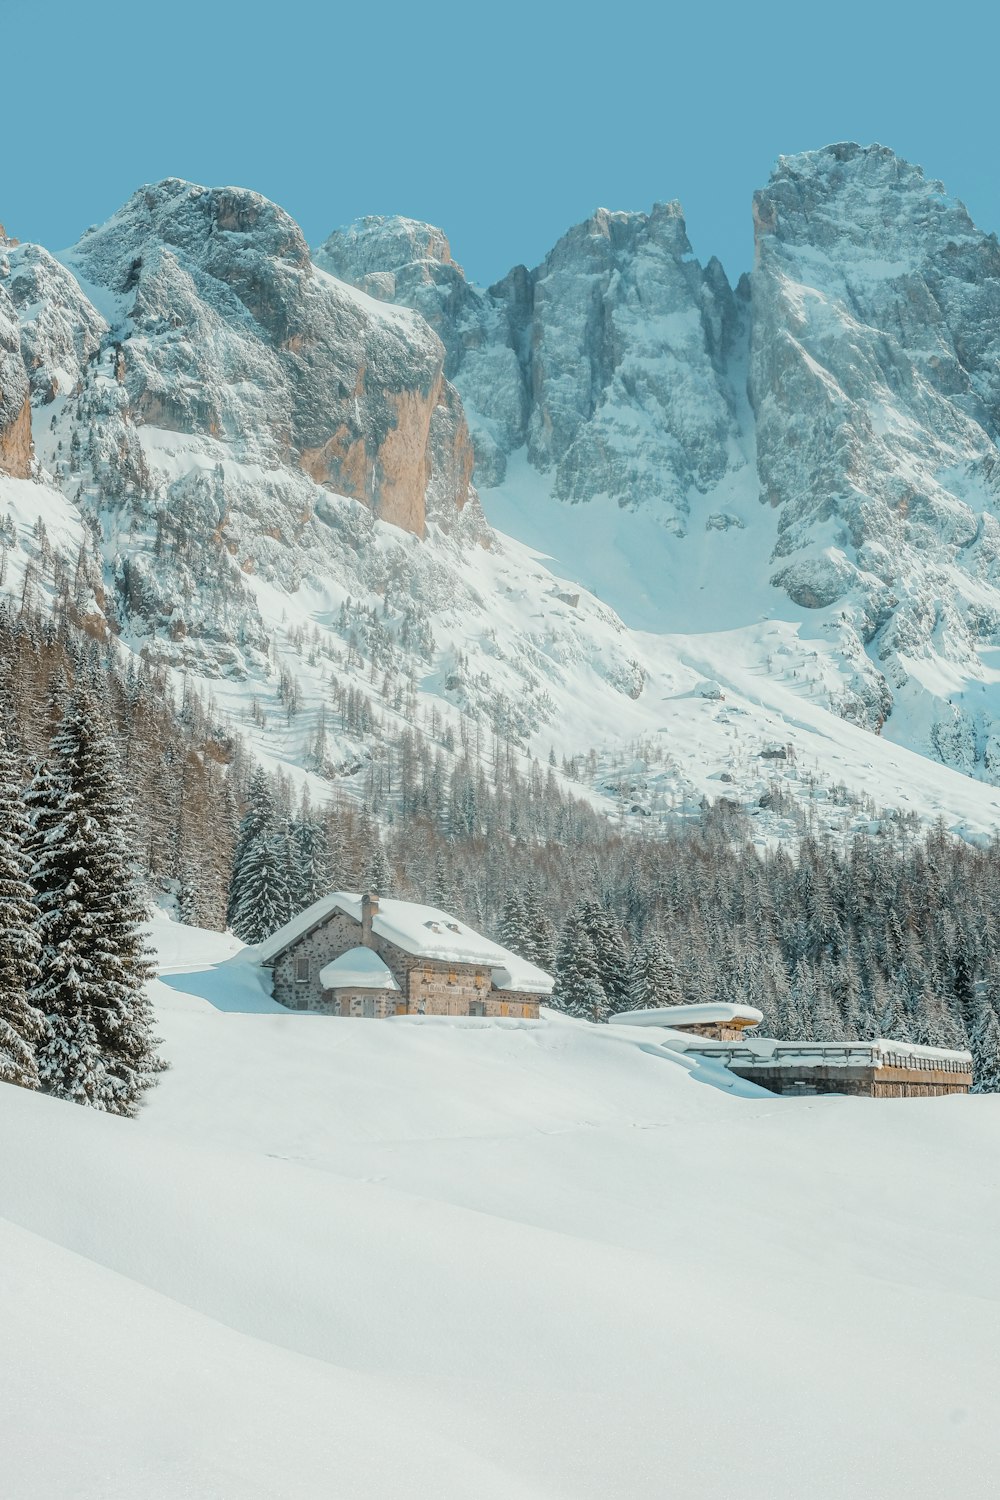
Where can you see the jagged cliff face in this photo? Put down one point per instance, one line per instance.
(410, 265)
(15, 409)
(226, 329)
(610, 360)
(628, 346)
(875, 380)
(867, 341)
(214, 404)
(232, 412)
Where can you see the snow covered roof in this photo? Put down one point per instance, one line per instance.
(767, 1052)
(718, 1013)
(357, 969)
(424, 931)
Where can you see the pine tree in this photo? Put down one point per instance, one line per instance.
(649, 980)
(378, 873)
(309, 873)
(605, 934)
(99, 1047)
(260, 900)
(578, 989)
(21, 1025)
(540, 937)
(513, 929)
(264, 902)
(984, 1043)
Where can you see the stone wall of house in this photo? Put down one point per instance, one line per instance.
(514, 1003)
(375, 1003)
(427, 987)
(717, 1031)
(326, 942)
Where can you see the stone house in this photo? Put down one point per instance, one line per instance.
(352, 955)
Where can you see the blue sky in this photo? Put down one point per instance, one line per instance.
(505, 124)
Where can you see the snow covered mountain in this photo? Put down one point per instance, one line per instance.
(723, 520)
(849, 384)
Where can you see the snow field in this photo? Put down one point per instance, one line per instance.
(441, 1258)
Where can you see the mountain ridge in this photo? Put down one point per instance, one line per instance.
(253, 436)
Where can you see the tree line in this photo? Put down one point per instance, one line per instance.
(891, 933)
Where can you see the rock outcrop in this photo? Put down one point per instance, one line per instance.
(875, 381)
(225, 328)
(61, 330)
(867, 339)
(410, 265)
(629, 342)
(15, 403)
(608, 360)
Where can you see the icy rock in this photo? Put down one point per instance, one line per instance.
(410, 264)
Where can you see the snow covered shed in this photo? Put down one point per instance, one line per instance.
(719, 1021)
(352, 955)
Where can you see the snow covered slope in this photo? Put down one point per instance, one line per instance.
(540, 1260)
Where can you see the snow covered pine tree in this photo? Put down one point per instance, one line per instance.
(259, 897)
(578, 989)
(99, 1047)
(21, 1025)
(649, 979)
(984, 1041)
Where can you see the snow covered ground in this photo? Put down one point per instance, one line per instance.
(495, 1259)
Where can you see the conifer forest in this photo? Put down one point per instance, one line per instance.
(112, 794)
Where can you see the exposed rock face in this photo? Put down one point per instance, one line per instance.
(609, 360)
(226, 329)
(15, 404)
(875, 379)
(407, 263)
(629, 343)
(868, 341)
(208, 398)
(61, 331)
(191, 367)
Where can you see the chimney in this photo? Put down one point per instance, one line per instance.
(369, 909)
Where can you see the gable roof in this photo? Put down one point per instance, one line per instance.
(422, 931)
(357, 969)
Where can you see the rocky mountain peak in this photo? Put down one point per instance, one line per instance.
(225, 329)
(865, 196)
(207, 223)
(381, 243)
(851, 383)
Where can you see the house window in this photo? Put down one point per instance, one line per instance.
(302, 971)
